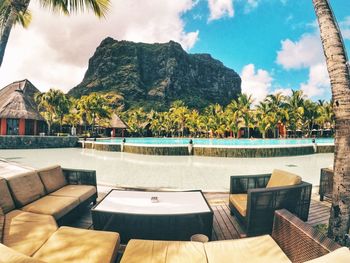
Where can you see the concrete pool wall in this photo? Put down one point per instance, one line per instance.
(212, 151)
(36, 142)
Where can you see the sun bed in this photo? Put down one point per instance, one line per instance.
(254, 199)
(291, 241)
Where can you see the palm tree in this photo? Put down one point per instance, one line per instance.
(244, 105)
(13, 11)
(93, 108)
(263, 118)
(339, 74)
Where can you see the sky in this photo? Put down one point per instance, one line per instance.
(274, 45)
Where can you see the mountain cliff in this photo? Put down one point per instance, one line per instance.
(155, 75)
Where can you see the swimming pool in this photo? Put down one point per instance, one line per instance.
(214, 147)
(218, 142)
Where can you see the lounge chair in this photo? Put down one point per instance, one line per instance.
(254, 199)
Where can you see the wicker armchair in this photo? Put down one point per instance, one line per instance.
(298, 240)
(326, 183)
(262, 202)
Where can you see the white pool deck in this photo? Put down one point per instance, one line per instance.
(170, 172)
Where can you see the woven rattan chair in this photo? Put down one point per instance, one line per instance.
(326, 183)
(299, 240)
(260, 202)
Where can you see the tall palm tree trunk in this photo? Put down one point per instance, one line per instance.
(16, 7)
(338, 69)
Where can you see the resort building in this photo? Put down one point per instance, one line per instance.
(18, 110)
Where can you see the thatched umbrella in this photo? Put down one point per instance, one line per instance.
(116, 123)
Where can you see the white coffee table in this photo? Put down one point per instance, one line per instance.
(154, 215)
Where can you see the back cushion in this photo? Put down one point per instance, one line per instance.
(26, 188)
(53, 178)
(6, 202)
(283, 178)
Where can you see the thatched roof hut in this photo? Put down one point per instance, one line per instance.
(116, 122)
(17, 101)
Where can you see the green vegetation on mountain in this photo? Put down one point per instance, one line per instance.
(153, 76)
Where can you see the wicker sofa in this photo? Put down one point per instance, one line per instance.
(291, 241)
(254, 199)
(35, 203)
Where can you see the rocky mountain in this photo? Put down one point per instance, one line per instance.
(154, 75)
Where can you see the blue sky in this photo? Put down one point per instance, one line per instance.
(273, 44)
(254, 36)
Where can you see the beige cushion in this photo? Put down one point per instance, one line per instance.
(262, 249)
(26, 187)
(6, 202)
(82, 192)
(8, 255)
(148, 251)
(69, 244)
(283, 178)
(56, 206)
(340, 255)
(52, 177)
(27, 232)
(240, 202)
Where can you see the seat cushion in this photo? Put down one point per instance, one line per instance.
(56, 206)
(76, 245)
(8, 255)
(340, 255)
(53, 178)
(253, 250)
(240, 202)
(82, 192)
(147, 251)
(26, 187)
(6, 202)
(283, 178)
(27, 232)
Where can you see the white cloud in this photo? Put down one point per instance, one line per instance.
(345, 28)
(54, 51)
(301, 54)
(255, 82)
(307, 53)
(283, 91)
(318, 81)
(220, 8)
(250, 5)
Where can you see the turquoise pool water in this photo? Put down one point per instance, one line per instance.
(224, 142)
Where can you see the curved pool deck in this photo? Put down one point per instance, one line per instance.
(239, 148)
(173, 172)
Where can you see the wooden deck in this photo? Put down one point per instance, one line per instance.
(226, 226)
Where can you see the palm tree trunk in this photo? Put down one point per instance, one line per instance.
(16, 6)
(339, 74)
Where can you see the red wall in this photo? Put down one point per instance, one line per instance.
(22, 127)
(3, 127)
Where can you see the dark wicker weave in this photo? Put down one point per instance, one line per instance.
(326, 183)
(77, 176)
(298, 240)
(2, 223)
(262, 201)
